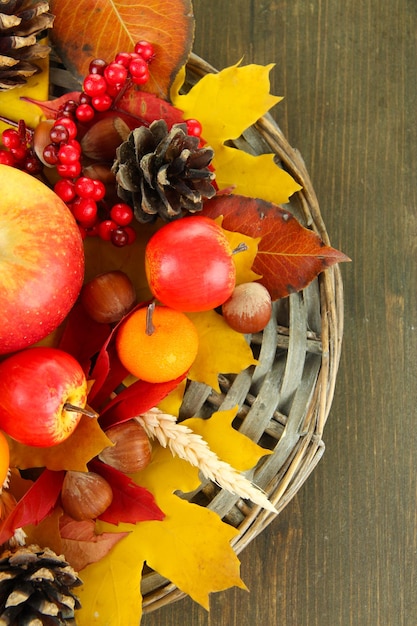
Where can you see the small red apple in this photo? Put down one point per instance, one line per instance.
(189, 264)
(43, 392)
(41, 261)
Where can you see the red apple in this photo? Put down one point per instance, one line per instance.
(41, 261)
(43, 392)
(189, 264)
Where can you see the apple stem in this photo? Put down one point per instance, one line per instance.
(78, 409)
(242, 247)
(150, 328)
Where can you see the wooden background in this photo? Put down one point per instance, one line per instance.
(344, 550)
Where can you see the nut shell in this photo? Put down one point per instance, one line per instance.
(108, 297)
(249, 308)
(85, 495)
(132, 449)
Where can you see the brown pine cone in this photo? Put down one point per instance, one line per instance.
(21, 24)
(163, 173)
(36, 588)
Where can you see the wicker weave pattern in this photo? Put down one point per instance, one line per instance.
(283, 402)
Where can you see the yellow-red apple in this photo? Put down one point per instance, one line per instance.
(43, 393)
(41, 260)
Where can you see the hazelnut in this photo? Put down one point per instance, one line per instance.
(132, 449)
(85, 495)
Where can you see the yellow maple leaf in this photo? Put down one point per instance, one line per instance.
(228, 443)
(242, 259)
(221, 350)
(226, 104)
(197, 562)
(85, 443)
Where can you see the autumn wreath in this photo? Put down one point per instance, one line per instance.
(144, 145)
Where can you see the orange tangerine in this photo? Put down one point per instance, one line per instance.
(4, 458)
(157, 344)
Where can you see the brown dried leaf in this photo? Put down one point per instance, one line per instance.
(84, 31)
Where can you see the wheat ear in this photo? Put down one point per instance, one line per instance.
(191, 447)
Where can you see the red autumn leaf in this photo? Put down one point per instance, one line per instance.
(81, 545)
(50, 108)
(83, 32)
(131, 503)
(82, 336)
(289, 256)
(108, 372)
(35, 505)
(144, 108)
(134, 400)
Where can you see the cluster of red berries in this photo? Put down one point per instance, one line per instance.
(18, 151)
(54, 144)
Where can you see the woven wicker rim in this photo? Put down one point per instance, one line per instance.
(291, 391)
(284, 402)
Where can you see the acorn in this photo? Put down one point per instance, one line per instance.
(85, 495)
(108, 297)
(132, 450)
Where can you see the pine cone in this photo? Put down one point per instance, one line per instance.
(21, 22)
(161, 173)
(35, 588)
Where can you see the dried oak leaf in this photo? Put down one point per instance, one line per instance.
(84, 31)
(289, 256)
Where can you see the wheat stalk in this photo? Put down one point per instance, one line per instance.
(190, 446)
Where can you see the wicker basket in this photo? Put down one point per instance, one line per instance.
(284, 401)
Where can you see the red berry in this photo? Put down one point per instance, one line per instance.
(84, 99)
(20, 152)
(50, 154)
(115, 74)
(65, 189)
(145, 50)
(123, 58)
(105, 228)
(84, 113)
(7, 158)
(85, 187)
(59, 134)
(70, 170)
(83, 231)
(68, 154)
(11, 138)
(131, 234)
(121, 213)
(138, 67)
(119, 237)
(102, 102)
(94, 85)
(99, 190)
(114, 90)
(97, 66)
(85, 211)
(69, 107)
(69, 124)
(32, 165)
(194, 127)
(140, 80)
